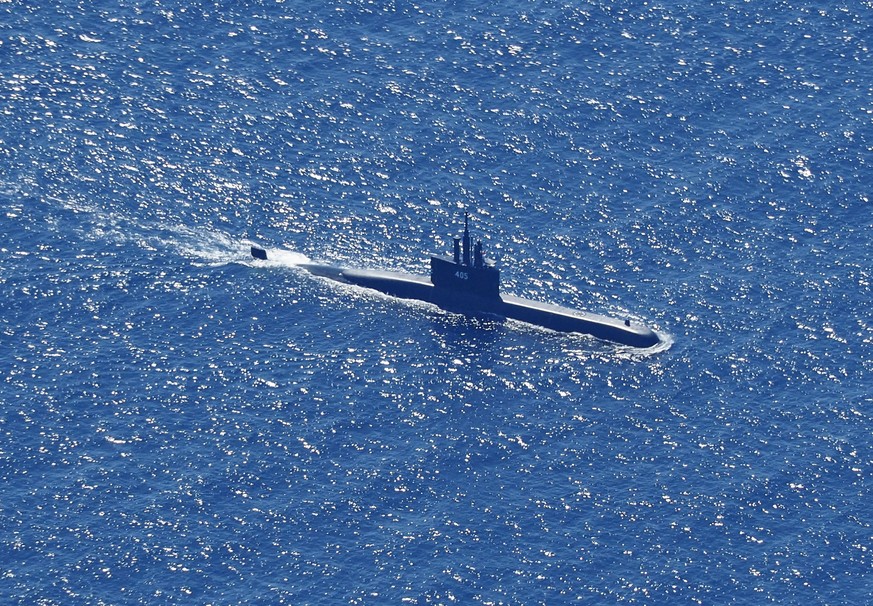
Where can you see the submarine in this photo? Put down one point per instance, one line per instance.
(467, 282)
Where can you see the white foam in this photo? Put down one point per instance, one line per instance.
(280, 257)
(627, 352)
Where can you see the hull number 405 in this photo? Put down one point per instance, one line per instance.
(462, 275)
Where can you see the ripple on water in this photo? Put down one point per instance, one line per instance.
(182, 422)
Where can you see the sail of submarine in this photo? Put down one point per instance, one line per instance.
(467, 282)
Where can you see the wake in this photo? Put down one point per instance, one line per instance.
(216, 248)
(201, 245)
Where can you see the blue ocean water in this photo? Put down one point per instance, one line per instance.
(182, 425)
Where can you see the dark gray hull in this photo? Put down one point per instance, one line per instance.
(553, 317)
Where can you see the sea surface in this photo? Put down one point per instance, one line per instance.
(181, 424)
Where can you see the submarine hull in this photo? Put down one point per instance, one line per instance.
(568, 320)
(554, 317)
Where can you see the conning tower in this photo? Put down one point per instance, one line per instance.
(467, 272)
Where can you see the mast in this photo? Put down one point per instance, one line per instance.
(466, 238)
